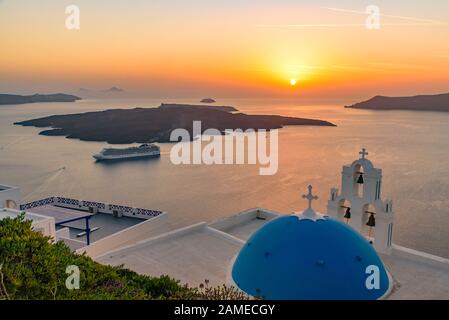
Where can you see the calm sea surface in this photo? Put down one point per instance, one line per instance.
(412, 148)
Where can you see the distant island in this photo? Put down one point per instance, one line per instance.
(140, 125)
(201, 107)
(208, 100)
(439, 102)
(19, 99)
(115, 89)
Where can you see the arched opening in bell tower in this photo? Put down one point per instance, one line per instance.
(344, 210)
(369, 221)
(359, 180)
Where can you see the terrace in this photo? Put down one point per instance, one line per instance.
(79, 223)
(194, 253)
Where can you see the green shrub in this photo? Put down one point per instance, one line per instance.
(33, 268)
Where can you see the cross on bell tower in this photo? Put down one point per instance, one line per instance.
(310, 197)
(363, 153)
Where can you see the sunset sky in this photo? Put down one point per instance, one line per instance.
(230, 48)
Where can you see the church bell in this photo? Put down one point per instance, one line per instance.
(371, 221)
(348, 213)
(360, 179)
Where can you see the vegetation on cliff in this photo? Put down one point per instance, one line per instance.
(33, 268)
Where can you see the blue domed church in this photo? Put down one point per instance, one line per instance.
(310, 256)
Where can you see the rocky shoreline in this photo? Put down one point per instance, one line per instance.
(19, 99)
(439, 102)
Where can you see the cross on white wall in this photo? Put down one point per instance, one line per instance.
(363, 153)
(310, 197)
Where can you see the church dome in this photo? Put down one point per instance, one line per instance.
(310, 257)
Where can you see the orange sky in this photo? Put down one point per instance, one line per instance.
(201, 48)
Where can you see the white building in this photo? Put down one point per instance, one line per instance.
(360, 203)
(75, 222)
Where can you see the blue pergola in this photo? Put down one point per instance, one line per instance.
(63, 216)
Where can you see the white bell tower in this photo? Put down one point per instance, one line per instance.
(360, 205)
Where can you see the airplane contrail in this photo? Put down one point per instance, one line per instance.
(391, 16)
(415, 21)
(332, 25)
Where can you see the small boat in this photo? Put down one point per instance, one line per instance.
(146, 150)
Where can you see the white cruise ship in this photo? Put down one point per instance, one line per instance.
(142, 151)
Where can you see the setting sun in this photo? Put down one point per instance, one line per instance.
(293, 82)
